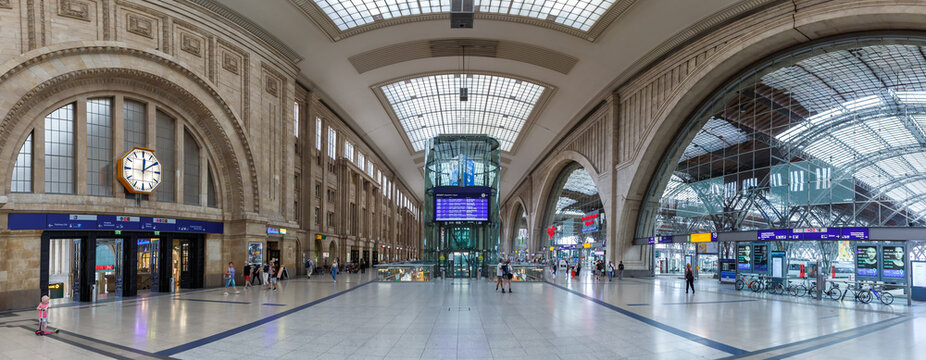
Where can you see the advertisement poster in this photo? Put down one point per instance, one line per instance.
(255, 253)
(844, 249)
(866, 260)
(744, 257)
(893, 262)
(760, 257)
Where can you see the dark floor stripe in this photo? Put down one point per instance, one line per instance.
(687, 335)
(828, 317)
(113, 345)
(818, 338)
(214, 301)
(268, 304)
(839, 340)
(696, 303)
(245, 327)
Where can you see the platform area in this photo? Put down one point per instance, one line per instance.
(467, 319)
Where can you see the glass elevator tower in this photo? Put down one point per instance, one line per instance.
(461, 230)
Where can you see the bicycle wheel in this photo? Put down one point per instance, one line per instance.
(778, 289)
(834, 293)
(812, 291)
(739, 284)
(755, 286)
(865, 297)
(887, 298)
(800, 290)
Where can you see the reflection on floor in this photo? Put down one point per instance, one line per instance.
(450, 319)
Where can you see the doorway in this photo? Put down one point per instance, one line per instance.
(109, 268)
(64, 260)
(273, 251)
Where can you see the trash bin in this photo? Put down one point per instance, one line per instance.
(172, 287)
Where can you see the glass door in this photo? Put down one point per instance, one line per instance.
(108, 271)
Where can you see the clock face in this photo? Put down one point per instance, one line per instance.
(140, 171)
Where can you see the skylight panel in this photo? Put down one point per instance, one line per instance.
(429, 106)
(892, 130)
(860, 139)
(578, 14)
(831, 151)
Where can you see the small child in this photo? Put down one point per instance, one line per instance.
(43, 315)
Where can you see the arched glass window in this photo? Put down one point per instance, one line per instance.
(520, 236)
(59, 151)
(827, 136)
(574, 208)
(22, 171)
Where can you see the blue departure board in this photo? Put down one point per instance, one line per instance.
(466, 204)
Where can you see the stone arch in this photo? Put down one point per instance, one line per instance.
(762, 36)
(512, 226)
(558, 163)
(153, 76)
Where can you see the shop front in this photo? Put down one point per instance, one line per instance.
(95, 257)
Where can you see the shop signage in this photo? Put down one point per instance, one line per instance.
(552, 248)
(143, 241)
(273, 231)
(109, 222)
(282, 231)
(587, 245)
(590, 222)
(104, 267)
(702, 237)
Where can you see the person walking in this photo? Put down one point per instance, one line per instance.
(578, 269)
(499, 275)
(247, 275)
(553, 268)
(689, 278)
(334, 269)
(620, 270)
(230, 278)
(309, 267)
(508, 274)
(265, 274)
(599, 269)
(610, 270)
(363, 266)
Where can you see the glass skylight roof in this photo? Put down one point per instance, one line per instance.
(716, 134)
(579, 14)
(429, 106)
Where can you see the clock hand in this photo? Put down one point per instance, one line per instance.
(144, 168)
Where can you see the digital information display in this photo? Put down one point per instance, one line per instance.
(461, 203)
(893, 262)
(866, 260)
(744, 257)
(760, 258)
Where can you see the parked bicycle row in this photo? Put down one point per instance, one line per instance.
(861, 291)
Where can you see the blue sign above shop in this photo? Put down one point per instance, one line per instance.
(109, 222)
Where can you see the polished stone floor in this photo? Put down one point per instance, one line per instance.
(461, 319)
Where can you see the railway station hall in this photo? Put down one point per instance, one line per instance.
(463, 179)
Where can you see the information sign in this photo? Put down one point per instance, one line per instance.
(854, 234)
(866, 260)
(461, 203)
(760, 258)
(590, 222)
(893, 262)
(779, 234)
(919, 273)
(819, 233)
(744, 257)
(702, 237)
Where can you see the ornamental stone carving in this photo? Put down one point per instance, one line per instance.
(75, 9)
(139, 25)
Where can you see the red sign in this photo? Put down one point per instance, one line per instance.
(104, 267)
(551, 231)
(589, 217)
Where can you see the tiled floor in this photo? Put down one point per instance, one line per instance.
(460, 319)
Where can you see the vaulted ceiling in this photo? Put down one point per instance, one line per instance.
(553, 59)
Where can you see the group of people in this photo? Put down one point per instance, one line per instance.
(310, 268)
(269, 274)
(503, 274)
(600, 269)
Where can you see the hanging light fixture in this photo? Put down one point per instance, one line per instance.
(464, 91)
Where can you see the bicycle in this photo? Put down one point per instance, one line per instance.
(742, 281)
(795, 290)
(884, 296)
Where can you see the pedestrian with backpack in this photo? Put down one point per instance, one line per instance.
(508, 274)
(610, 270)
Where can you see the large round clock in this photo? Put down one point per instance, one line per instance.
(140, 171)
